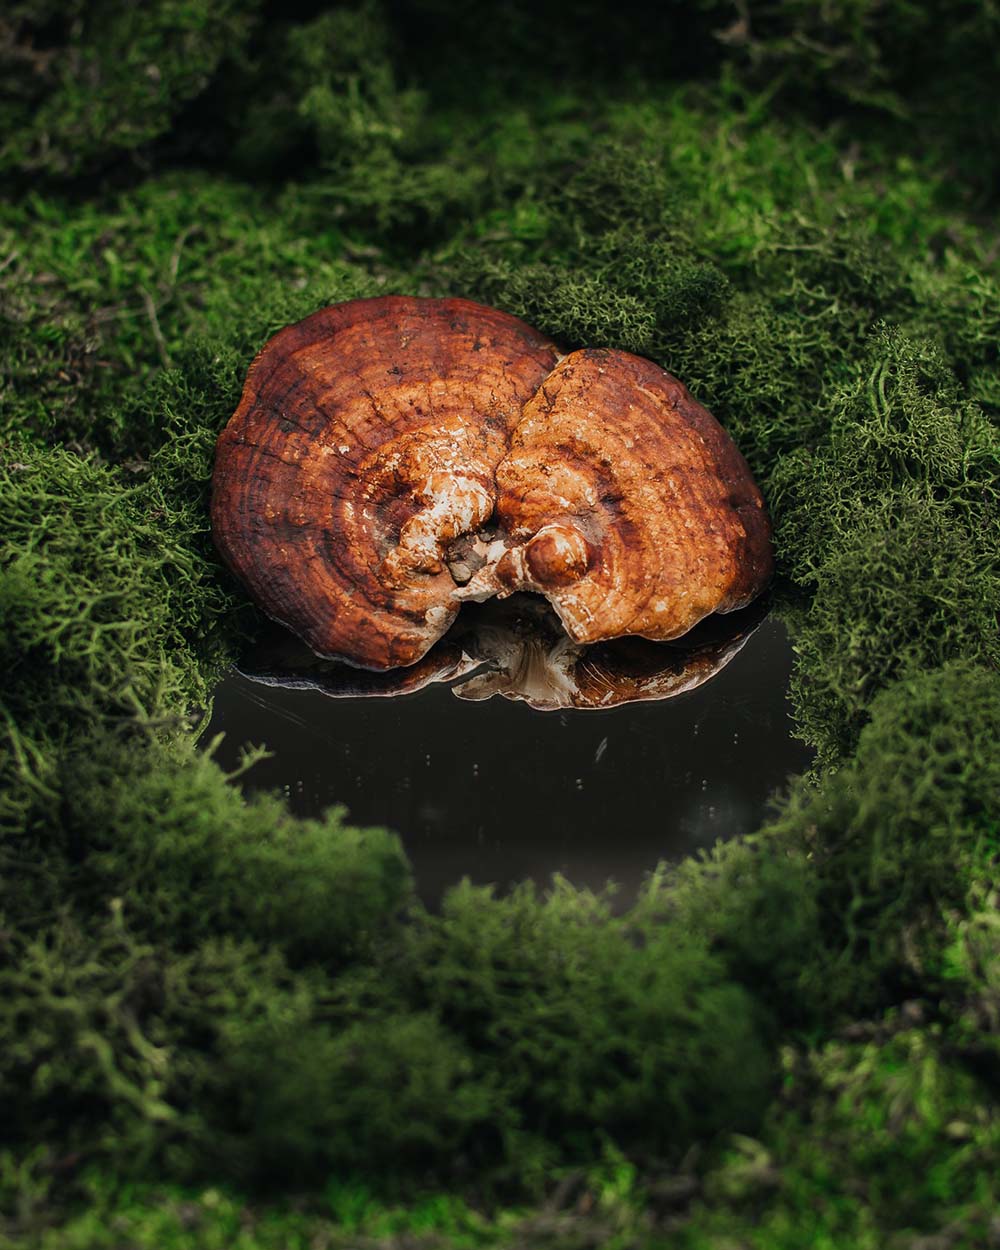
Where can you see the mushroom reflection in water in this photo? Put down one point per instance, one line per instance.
(517, 648)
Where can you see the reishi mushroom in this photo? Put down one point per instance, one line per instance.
(391, 458)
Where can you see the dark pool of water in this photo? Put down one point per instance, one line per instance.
(500, 793)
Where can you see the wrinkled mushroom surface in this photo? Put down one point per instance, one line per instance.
(366, 441)
(627, 504)
(393, 457)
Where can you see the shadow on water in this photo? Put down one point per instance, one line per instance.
(501, 792)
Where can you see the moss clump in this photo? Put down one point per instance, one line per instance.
(906, 62)
(583, 1020)
(151, 830)
(894, 521)
(902, 833)
(878, 1133)
(223, 1055)
(98, 297)
(86, 81)
(105, 593)
(459, 1036)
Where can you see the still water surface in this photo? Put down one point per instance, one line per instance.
(500, 793)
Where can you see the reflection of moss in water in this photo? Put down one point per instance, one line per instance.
(195, 987)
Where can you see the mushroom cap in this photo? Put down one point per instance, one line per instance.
(365, 441)
(628, 505)
(391, 458)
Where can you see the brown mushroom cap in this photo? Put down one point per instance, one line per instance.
(627, 504)
(391, 458)
(365, 441)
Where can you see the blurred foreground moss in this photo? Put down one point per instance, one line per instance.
(882, 1128)
(791, 1040)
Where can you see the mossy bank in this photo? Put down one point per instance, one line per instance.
(793, 1041)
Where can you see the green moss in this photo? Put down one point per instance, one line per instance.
(893, 520)
(923, 65)
(900, 595)
(98, 297)
(151, 830)
(87, 81)
(900, 835)
(895, 1145)
(106, 595)
(584, 1021)
(879, 1137)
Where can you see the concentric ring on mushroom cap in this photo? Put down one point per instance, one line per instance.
(366, 437)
